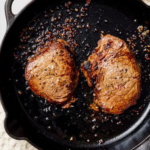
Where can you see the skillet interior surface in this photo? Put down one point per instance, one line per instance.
(79, 125)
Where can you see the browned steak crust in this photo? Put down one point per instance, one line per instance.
(115, 75)
(52, 74)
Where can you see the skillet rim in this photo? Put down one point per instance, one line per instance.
(112, 141)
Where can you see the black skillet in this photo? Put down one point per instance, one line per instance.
(47, 126)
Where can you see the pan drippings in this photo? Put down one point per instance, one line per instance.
(80, 23)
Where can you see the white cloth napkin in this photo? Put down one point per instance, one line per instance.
(6, 142)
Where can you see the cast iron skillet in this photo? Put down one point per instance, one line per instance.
(30, 118)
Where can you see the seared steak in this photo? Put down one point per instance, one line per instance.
(52, 73)
(115, 75)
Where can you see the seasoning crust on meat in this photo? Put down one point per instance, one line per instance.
(52, 73)
(115, 75)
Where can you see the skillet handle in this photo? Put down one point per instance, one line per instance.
(8, 12)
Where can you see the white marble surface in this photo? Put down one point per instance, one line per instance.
(6, 142)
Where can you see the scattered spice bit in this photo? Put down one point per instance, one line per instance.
(147, 57)
(71, 139)
(53, 19)
(82, 15)
(103, 32)
(82, 9)
(140, 28)
(67, 20)
(88, 25)
(76, 9)
(134, 37)
(147, 22)
(75, 20)
(51, 10)
(82, 20)
(20, 92)
(47, 16)
(101, 141)
(145, 33)
(95, 30)
(88, 1)
(69, 3)
(78, 16)
(79, 26)
(28, 88)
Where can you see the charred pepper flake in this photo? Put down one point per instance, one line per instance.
(71, 139)
(75, 20)
(108, 44)
(88, 25)
(47, 16)
(95, 65)
(66, 5)
(69, 2)
(140, 28)
(76, 9)
(57, 7)
(79, 26)
(82, 9)
(106, 21)
(82, 15)
(103, 32)
(20, 92)
(88, 1)
(95, 30)
(87, 66)
(101, 141)
(147, 57)
(67, 20)
(53, 19)
(51, 10)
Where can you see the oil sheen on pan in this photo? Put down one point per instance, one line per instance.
(73, 22)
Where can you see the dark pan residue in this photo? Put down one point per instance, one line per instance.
(80, 23)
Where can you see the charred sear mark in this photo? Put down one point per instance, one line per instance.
(68, 49)
(73, 76)
(70, 53)
(108, 44)
(95, 66)
(121, 44)
(101, 55)
(69, 87)
(61, 53)
(87, 66)
(93, 82)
